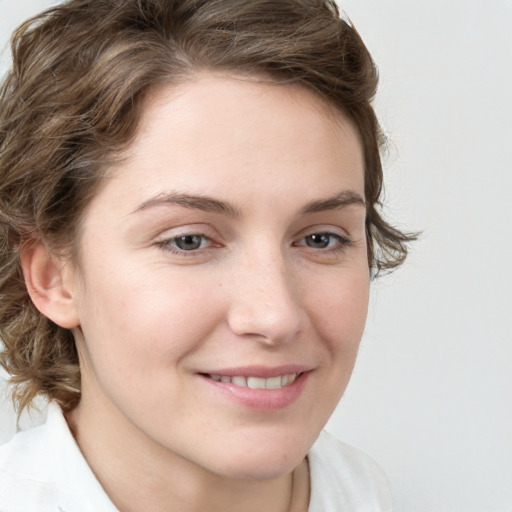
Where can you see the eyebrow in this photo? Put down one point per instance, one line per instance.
(210, 205)
(196, 202)
(345, 198)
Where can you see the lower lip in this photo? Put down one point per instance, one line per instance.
(261, 399)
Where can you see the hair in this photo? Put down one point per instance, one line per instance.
(72, 101)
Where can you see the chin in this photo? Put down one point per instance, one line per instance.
(261, 460)
(265, 469)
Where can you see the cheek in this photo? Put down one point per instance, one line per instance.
(338, 315)
(340, 312)
(135, 320)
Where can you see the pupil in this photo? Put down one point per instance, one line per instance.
(319, 241)
(189, 242)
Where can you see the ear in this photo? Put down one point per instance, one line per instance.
(49, 283)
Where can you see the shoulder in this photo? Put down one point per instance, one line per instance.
(344, 478)
(43, 470)
(25, 484)
(19, 454)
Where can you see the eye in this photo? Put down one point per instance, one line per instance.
(189, 242)
(324, 241)
(319, 241)
(186, 243)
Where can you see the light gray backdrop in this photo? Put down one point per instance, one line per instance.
(431, 396)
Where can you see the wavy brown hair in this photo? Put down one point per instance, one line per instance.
(72, 102)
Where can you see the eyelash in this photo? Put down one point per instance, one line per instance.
(341, 244)
(166, 245)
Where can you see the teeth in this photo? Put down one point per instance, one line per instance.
(257, 382)
(274, 382)
(239, 381)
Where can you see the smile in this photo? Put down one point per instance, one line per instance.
(259, 388)
(257, 382)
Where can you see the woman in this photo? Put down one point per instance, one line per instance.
(189, 197)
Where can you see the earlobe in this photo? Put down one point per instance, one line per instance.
(49, 285)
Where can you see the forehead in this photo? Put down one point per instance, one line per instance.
(243, 114)
(231, 136)
(216, 97)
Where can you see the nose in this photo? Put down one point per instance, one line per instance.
(265, 300)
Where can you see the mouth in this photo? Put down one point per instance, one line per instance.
(259, 388)
(251, 382)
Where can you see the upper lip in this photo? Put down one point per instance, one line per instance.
(263, 372)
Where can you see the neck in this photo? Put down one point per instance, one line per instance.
(140, 475)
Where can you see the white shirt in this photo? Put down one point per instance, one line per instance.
(43, 470)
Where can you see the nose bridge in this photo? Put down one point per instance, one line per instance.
(264, 301)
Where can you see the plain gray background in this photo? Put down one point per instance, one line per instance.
(431, 395)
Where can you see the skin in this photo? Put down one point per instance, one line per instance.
(150, 317)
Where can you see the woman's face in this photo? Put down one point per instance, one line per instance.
(226, 253)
